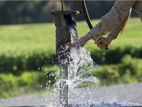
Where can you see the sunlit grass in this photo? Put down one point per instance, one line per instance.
(26, 38)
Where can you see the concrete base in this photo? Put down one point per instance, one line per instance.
(109, 96)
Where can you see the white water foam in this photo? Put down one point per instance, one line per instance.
(80, 66)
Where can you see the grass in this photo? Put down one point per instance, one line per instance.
(26, 38)
(29, 82)
(130, 36)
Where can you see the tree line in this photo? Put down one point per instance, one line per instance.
(14, 12)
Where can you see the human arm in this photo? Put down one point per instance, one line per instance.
(112, 23)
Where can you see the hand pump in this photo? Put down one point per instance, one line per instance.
(62, 20)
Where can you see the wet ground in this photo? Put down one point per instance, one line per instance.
(110, 96)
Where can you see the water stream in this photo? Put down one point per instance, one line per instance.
(80, 66)
(79, 80)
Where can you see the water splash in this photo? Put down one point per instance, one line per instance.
(80, 67)
(63, 54)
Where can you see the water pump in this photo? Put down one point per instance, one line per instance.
(63, 20)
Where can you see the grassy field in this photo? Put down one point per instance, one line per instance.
(24, 39)
(19, 39)
(25, 47)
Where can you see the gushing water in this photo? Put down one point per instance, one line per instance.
(80, 66)
(80, 69)
(78, 60)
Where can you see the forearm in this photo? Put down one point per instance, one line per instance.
(113, 18)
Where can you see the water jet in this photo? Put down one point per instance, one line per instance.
(66, 32)
(62, 20)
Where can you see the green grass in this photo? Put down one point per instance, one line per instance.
(26, 38)
(130, 37)
(30, 39)
(29, 82)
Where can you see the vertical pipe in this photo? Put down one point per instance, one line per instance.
(62, 5)
(81, 6)
(63, 36)
(64, 85)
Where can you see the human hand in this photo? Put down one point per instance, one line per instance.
(103, 42)
(80, 43)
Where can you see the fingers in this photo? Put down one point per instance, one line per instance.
(82, 41)
(102, 43)
(72, 45)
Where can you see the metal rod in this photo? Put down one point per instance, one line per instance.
(62, 20)
(86, 14)
(62, 5)
(64, 86)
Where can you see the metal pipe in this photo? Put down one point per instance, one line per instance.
(64, 85)
(86, 14)
(81, 6)
(63, 36)
(62, 5)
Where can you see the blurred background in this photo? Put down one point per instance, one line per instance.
(37, 11)
(27, 46)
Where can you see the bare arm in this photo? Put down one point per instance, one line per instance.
(112, 20)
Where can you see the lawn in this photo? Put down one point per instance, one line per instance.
(26, 38)
(25, 48)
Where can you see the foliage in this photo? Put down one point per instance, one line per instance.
(128, 71)
(37, 60)
(15, 65)
(114, 55)
(25, 49)
(24, 11)
(27, 82)
(30, 38)
(132, 66)
(48, 76)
